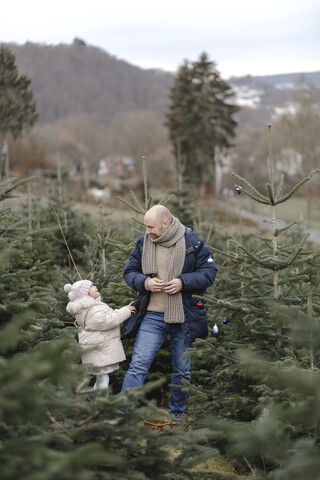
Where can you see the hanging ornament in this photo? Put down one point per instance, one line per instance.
(200, 305)
(225, 321)
(215, 329)
(238, 189)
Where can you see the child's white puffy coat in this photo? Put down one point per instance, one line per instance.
(99, 330)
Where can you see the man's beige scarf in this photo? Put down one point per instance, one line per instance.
(172, 238)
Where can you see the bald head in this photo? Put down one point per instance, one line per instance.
(157, 219)
(160, 212)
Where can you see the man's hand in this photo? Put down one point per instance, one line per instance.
(174, 286)
(155, 284)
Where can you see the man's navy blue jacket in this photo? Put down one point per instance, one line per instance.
(199, 272)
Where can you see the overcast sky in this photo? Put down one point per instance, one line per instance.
(241, 36)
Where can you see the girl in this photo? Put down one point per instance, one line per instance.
(99, 328)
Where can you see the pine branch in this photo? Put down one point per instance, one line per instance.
(14, 225)
(123, 248)
(295, 279)
(26, 235)
(304, 239)
(278, 231)
(260, 237)
(297, 187)
(253, 470)
(138, 221)
(16, 185)
(224, 303)
(256, 199)
(142, 212)
(280, 187)
(53, 420)
(7, 181)
(270, 194)
(308, 259)
(139, 206)
(225, 254)
(272, 263)
(166, 198)
(41, 231)
(258, 194)
(149, 203)
(5, 212)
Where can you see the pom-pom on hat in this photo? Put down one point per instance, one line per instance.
(78, 289)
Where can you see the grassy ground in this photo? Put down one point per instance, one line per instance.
(217, 465)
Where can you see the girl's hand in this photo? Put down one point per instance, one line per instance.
(131, 307)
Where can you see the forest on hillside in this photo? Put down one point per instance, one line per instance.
(70, 80)
(90, 105)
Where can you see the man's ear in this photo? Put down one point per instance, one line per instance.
(166, 224)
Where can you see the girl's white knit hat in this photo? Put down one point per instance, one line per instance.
(78, 289)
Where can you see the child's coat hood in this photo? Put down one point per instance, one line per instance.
(81, 304)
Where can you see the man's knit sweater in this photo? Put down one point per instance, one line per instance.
(157, 299)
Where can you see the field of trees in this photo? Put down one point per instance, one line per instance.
(253, 401)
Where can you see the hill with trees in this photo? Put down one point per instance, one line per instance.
(79, 79)
(90, 105)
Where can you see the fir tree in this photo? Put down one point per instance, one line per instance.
(17, 107)
(200, 118)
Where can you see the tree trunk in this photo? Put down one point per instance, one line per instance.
(4, 159)
(217, 180)
(6, 151)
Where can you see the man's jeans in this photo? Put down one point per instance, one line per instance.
(151, 335)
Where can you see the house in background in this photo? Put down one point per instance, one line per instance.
(116, 166)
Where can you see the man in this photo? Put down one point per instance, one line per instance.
(171, 263)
